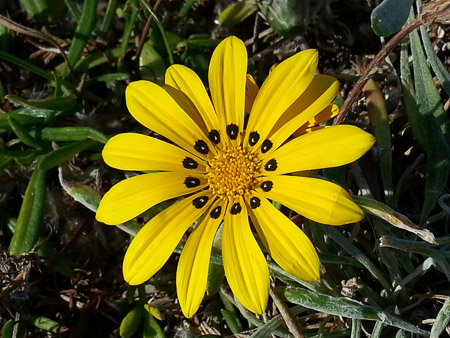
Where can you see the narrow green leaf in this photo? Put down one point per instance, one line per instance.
(58, 103)
(29, 222)
(23, 134)
(422, 248)
(46, 324)
(351, 249)
(130, 19)
(410, 280)
(109, 17)
(356, 328)
(131, 321)
(185, 9)
(72, 6)
(237, 12)
(344, 307)
(390, 16)
(63, 154)
(438, 68)
(232, 321)
(428, 123)
(4, 45)
(108, 77)
(82, 33)
(216, 273)
(442, 320)
(161, 29)
(70, 134)
(151, 327)
(377, 329)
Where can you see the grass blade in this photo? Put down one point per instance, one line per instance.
(82, 33)
(441, 321)
(343, 307)
(29, 222)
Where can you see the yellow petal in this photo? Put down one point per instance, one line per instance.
(316, 199)
(189, 92)
(129, 151)
(244, 264)
(285, 242)
(251, 90)
(326, 114)
(131, 197)
(324, 148)
(281, 88)
(227, 78)
(192, 271)
(155, 242)
(154, 108)
(321, 91)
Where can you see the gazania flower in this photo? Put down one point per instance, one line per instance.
(229, 172)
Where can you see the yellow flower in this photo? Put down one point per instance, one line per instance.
(229, 172)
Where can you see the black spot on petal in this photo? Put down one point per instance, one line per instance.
(214, 136)
(253, 138)
(255, 202)
(200, 202)
(215, 213)
(232, 131)
(189, 163)
(271, 165)
(266, 146)
(236, 209)
(191, 182)
(266, 186)
(201, 147)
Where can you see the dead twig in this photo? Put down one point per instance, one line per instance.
(437, 11)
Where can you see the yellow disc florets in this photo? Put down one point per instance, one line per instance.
(232, 172)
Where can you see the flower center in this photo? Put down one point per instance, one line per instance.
(232, 172)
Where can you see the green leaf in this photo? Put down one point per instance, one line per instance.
(151, 327)
(286, 17)
(237, 12)
(344, 307)
(45, 323)
(53, 104)
(109, 17)
(438, 68)
(23, 134)
(216, 273)
(82, 33)
(29, 222)
(71, 134)
(131, 321)
(390, 16)
(442, 320)
(63, 154)
(7, 329)
(428, 122)
(151, 64)
(232, 321)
